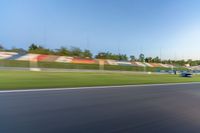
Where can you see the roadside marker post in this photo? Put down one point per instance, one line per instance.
(34, 64)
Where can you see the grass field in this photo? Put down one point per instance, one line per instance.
(29, 80)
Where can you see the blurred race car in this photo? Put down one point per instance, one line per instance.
(186, 74)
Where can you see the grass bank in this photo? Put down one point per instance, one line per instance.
(29, 80)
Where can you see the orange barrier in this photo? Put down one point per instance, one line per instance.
(83, 61)
(156, 64)
(41, 57)
(50, 58)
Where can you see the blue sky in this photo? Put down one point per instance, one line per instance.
(166, 28)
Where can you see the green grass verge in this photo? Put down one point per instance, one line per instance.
(29, 80)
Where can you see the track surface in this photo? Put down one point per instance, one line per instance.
(143, 109)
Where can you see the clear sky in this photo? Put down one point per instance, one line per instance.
(167, 28)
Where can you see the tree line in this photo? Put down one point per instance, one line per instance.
(86, 53)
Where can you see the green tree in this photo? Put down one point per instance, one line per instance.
(156, 60)
(18, 50)
(148, 59)
(87, 53)
(1, 47)
(33, 47)
(76, 52)
(101, 55)
(109, 55)
(141, 57)
(122, 57)
(37, 49)
(132, 58)
(63, 51)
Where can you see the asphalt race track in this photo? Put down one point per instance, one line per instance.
(143, 109)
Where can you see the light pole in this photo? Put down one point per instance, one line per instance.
(144, 65)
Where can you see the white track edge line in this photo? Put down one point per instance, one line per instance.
(95, 87)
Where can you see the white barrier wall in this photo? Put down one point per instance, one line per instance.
(164, 65)
(147, 64)
(140, 64)
(112, 62)
(64, 59)
(68, 59)
(28, 57)
(124, 63)
(5, 55)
